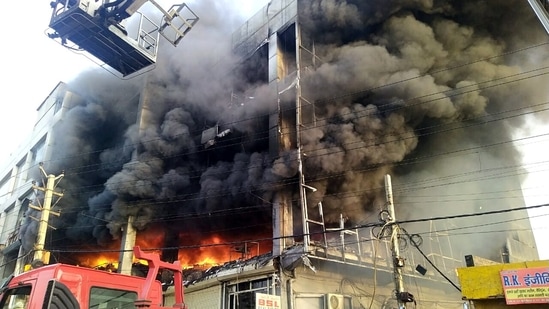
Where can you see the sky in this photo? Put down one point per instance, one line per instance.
(35, 64)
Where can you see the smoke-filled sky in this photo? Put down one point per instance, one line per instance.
(415, 69)
(36, 64)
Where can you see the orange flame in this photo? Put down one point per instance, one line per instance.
(209, 251)
(215, 250)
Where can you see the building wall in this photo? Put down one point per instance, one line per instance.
(315, 284)
(372, 282)
(363, 285)
(23, 168)
(258, 40)
(275, 25)
(210, 297)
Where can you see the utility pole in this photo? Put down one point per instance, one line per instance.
(45, 210)
(129, 235)
(398, 261)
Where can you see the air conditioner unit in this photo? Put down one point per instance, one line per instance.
(334, 301)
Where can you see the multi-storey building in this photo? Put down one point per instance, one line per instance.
(291, 165)
(22, 170)
(324, 253)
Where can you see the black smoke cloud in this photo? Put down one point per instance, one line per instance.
(402, 86)
(390, 75)
(155, 168)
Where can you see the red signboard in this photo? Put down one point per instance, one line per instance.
(526, 285)
(266, 301)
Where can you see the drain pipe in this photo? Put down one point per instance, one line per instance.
(290, 292)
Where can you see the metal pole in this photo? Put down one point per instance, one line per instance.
(398, 262)
(302, 193)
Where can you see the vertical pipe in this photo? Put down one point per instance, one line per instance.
(342, 235)
(290, 293)
(302, 193)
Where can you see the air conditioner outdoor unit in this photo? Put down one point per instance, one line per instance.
(334, 301)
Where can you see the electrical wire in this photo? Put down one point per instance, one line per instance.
(428, 95)
(412, 240)
(294, 236)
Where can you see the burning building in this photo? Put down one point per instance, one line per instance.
(276, 144)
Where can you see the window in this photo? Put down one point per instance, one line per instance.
(16, 298)
(242, 295)
(38, 152)
(20, 173)
(5, 188)
(57, 105)
(103, 298)
(8, 236)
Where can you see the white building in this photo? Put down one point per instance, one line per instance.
(18, 174)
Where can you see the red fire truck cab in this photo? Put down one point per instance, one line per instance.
(60, 286)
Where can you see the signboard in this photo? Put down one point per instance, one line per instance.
(526, 285)
(267, 301)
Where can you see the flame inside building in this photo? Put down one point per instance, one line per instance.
(230, 134)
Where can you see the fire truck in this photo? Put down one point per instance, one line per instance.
(61, 286)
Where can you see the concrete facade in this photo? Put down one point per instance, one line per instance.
(307, 281)
(324, 266)
(22, 170)
(357, 270)
(274, 35)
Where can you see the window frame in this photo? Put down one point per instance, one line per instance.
(233, 290)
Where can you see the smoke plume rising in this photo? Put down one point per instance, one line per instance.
(400, 87)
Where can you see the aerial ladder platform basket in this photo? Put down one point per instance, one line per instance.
(115, 33)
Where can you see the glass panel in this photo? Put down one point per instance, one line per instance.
(4, 188)
(102, 298)
(245, 300)
(38, 152)
(16, 298)
(20, 174)
(58, 104)
(242, 295)
(259, 284)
